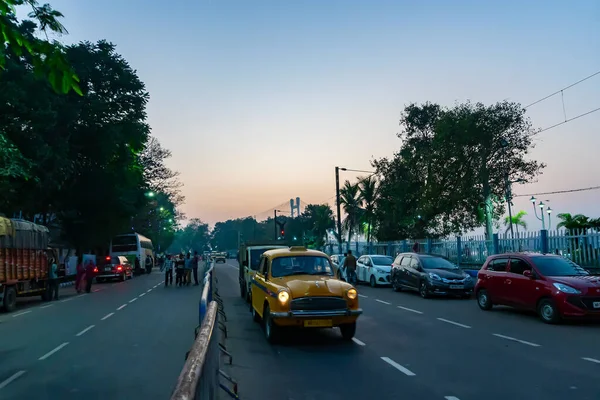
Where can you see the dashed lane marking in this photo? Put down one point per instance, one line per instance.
(85, 330)
(384, 302)
(122, 307)
(358, 342)
(410, 309)
(42, 358)
(591, 360)
(11, 379)
(143, 294)
(362, 295)
(454, 323)
(516, 340)
(107, 316)
(132, 300)
(451, 398)
(399, 367)
(21, 313)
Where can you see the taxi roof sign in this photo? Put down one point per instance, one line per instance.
(298, 248)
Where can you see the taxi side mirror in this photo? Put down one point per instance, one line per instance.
(527, 273)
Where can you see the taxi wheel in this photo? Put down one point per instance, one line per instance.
(271, 330)
(255, 316)
(348, 330)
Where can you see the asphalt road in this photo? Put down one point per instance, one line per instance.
(123, 341)
(411, 348)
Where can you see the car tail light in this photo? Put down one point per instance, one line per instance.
(119, 268)
(107, 258)
(95, 269)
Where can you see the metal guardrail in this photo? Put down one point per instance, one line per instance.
(199, 379)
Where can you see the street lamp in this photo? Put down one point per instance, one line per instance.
(162, 209)
(549, 211)
(541, 205)
(337, 198)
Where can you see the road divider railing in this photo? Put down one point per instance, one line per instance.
(199, 379)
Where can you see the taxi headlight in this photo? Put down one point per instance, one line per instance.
(352, 294)
(283, 297)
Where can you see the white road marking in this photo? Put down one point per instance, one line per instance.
(148, 291)
(21, 313)
(14, 377)
(410, 309)
(451, 398)
(358, 342)
(384, 302)
(516, 340)
(143, 294)
(591, 360)
(49, 305)
(362, 295)
(233, 266)
(107, 316)
(132, 300)
(454, 323)
(97, 290)
(399, 367)
(65, 300)
(122, 307)
(85, 330)
(52, 351)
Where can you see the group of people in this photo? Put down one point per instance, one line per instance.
(83, 280)
(184, 265)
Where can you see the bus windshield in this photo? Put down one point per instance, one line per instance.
(124, 243)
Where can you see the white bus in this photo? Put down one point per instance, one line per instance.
(133, 245)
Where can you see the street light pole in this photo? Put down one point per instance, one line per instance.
(508, 200)
(339, 212)
(541, 205)
(275, 223)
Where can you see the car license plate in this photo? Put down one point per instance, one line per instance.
(596, 304)
(318, 323)
(457, 287)
(108, 269)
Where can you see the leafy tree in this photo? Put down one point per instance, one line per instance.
(318, 219)
(369, 191)
(452, 164)
(193, 237)
(572, 222)
(157, 175)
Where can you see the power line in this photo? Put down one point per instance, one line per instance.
(563, 89)
(559, 191)
(568, 120)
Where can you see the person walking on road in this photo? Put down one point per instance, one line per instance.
(168, 266)
(89, 275)
(188, 269)
(195, 262)
(80, 276)
(179, 264)
(53, 280)
(350, 266)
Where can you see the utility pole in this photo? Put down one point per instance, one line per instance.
(275, 223)
(339, 212)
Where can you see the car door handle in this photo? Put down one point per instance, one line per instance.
(508, 281)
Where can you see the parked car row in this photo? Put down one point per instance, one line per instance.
(551, 285)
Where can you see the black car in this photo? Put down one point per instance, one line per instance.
(430, 275)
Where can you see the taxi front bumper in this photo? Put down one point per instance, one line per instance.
(316, 313)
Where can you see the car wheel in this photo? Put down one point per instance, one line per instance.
(271, 330)
(124, 277)
(255, 316)
(10, 299)
(395, 286)
(548, 312)
(348, 330)
(372, 281)
(423, 290)
(483, 300)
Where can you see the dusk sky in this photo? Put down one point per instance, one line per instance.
(259, 100)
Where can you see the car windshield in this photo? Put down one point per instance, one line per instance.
(300, 265)
(382, 260)
(557, 266)
(437, 263)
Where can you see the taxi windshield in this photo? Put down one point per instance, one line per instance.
(300, 265)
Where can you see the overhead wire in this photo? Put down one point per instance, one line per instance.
(559, 191)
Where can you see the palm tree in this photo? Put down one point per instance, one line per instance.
(517, 220)
(573, 222)
(320, 217)
(350, 202)
(369, 192)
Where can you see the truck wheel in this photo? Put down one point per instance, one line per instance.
(10, 299)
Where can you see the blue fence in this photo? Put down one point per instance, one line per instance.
(581, 246)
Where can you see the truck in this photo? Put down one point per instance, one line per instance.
(248, 259)
(24, 256)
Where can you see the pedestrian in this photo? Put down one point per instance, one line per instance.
(89, 275)
(53, 280)
(168, 266)
(80, 277)
(188, 269)
(148, 264)
(195, 262)
(350, 266)
(138, 266)
(179, 264)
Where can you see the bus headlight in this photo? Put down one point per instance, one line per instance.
(352, 293)
(283, 297)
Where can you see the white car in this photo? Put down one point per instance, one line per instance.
(374, 269)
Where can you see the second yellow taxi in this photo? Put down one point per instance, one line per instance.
(296, 287)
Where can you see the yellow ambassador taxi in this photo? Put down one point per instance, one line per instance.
(296, 287)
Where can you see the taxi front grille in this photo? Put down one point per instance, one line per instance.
(318, 303)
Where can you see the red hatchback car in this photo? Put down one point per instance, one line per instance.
(549, 284)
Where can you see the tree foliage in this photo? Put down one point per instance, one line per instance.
(452, 168)
(193, 237)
